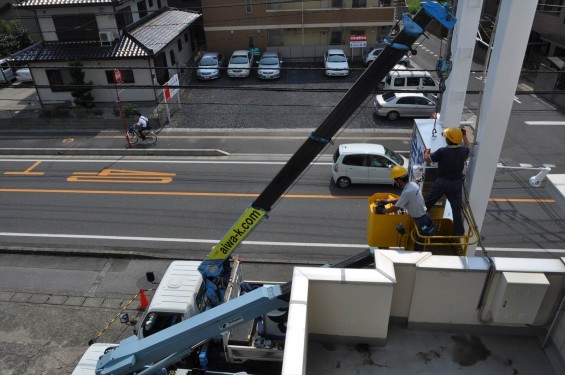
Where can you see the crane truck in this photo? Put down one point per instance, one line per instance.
(159, 351)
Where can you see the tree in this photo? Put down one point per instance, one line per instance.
(13, 37)
(82, 94)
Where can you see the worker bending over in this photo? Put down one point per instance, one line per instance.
(450, 164)
(411, 200)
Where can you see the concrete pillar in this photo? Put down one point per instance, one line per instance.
(514, 24)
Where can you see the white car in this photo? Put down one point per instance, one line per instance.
(240, 64)
(23, 75)
(394, 105)
(364, 163)
(374, 52)
(335, 63)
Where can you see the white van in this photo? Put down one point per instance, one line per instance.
(364, 163)
(6, 72)
(417, 80)
(180, 295)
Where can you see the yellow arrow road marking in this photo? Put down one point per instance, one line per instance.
(122, 176)
(28, 172)
(203, 194)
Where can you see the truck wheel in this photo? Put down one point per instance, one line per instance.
(343, 182)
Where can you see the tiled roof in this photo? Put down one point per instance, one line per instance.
(59, 3)
(144, 39)
(65, 51)
(160, 30)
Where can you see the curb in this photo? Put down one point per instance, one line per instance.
(113, 151)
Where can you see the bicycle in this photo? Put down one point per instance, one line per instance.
(133, 135)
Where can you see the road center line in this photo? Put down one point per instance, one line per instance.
(208, 194)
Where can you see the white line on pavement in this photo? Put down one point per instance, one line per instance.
(545, 122)
(264, 243)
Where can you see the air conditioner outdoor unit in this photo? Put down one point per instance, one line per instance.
(106, 38)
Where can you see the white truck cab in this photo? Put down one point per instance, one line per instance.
(179, 296)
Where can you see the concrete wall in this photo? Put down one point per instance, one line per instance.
(351, 305)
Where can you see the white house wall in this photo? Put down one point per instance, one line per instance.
(105, 19)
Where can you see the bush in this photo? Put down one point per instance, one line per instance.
(60, 110)
(130, 109)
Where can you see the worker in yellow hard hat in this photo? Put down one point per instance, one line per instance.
(411, 200)
(449, 182)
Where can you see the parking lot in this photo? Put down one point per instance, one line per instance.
(301, 98)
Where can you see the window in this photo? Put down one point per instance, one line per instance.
(427, 81)
(161, 68)
(124, 17)
(399, 82)
(550, 7)
(248, 7)
(159, 4)
(380, 162)
(359, 4)
(59, 79)
(76, 27)
(274, 4)
(422, 101)
(357, 160)
(337, 4)
(172, 54)
(275, 37)
(150, 3)
(127, 76)
(186, 37)
(250, 42)
(179, 45)
(408, 100)
(142, 9)
(336, 36)
(413, 81)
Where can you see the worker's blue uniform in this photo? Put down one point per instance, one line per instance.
(451, 161)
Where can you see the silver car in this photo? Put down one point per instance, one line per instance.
(394, 105)
(269, 66)
(209, 65)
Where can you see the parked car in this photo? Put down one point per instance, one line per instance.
(374, 52)
(269, 66)
(24, 75)
(407, 79)
(6, 72)
(394, 105)
(336, 63)
(209, 65)
(364, 163)
(240, 64)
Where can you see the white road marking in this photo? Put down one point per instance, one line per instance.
(545, 122)
(549, 165)
(525, 165)
(263, 243)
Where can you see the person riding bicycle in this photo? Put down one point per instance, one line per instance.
(141, 125)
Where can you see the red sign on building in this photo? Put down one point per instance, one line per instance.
(117, 76)
(358, 38)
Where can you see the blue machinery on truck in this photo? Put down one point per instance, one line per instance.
(166, 347)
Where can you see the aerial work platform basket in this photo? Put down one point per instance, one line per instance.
(385, 231)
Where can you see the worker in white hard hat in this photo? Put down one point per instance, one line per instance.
(411, 200)
(449, 182)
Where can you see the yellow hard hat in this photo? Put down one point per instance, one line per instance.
(398, 171)
(455, 135)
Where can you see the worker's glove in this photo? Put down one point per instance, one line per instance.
(464, 132)
(380, 210)
(380, 207)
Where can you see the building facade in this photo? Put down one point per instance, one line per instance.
(296, 29)
(147, 41)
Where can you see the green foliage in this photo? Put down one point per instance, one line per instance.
(413, 6)
(60, 110)
(13, 37)
(130, 109)
(82, 95)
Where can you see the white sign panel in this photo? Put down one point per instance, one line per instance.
(357, 44)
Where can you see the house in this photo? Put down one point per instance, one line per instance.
(296, 29)
(146, 40)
